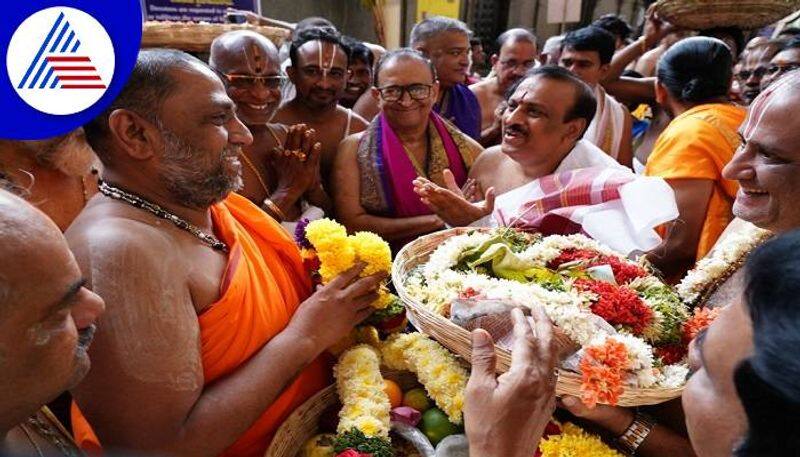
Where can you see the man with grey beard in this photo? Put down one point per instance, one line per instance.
(57, 175)
(46, 324)
(212, 334)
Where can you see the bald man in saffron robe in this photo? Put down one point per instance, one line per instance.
(212, 336)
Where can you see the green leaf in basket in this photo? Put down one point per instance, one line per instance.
(356, 440)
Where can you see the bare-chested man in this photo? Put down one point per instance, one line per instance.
(287, 187)
(547, 114)
(319, 73)
(46, 324)
(211, 335)
(517, 55)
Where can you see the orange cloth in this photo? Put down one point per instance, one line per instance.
(697, 145)
(264, 283)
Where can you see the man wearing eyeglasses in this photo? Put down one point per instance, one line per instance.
(406, 140)
(517, 55)
(788, 59)
(319, 72)
(754, 65)
(445, 42)
(280, 170)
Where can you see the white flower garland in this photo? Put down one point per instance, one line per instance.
(714, 266)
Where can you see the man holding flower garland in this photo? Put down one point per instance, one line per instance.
(212, 335)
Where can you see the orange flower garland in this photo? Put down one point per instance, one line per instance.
(700, 320)
(602, 368)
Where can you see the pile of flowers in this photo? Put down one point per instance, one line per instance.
(570, 440)
(627, 322)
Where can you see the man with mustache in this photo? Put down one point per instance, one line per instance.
(212, 334)
(57, 174)
(319, 72)
(47, 321)
(281, 167)
(541, 136)
(517, 55)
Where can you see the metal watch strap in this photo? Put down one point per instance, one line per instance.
(636, 433)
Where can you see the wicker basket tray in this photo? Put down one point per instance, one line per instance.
(197, 37)
(457, 339)
(303, 423)
(705, 14)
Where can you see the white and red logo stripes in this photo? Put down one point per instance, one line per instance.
(71, 65)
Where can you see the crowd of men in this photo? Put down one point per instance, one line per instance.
(162, 231)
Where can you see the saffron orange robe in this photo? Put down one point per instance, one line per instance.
(697, 145)
(263, 285)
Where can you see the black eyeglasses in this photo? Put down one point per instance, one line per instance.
(415, 91)
(249, 81)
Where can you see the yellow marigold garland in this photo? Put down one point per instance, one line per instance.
(333, 247)
(575, 442)
(359, 383)
(435, 367)
(338, 252)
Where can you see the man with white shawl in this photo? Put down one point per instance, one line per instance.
(545, 178)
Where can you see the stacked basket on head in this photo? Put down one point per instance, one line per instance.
(197, 37)
(706, 14)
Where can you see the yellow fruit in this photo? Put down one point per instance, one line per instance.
(417, 399)
(319, 446)
(394, 392)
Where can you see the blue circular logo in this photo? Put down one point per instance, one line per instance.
(65, 62)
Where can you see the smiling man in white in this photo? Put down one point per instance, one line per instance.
(544, 168)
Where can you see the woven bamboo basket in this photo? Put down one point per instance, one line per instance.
(706, 14)
(457, 339)
(303, 423)
(197, 37)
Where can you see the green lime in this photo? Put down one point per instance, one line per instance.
(417, 399)
(436, 426)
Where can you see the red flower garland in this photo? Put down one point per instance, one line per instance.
(624, 270)
(671, 353)
(618, 305)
